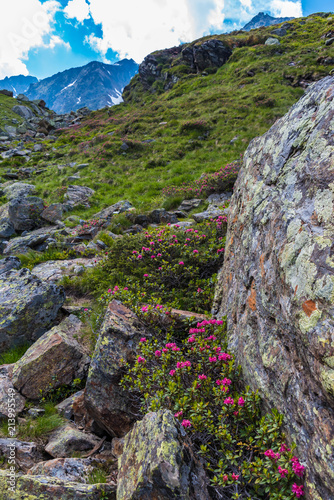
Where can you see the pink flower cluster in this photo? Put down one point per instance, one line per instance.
(297, 468)
(297, 490)
(186, 423)
(272, 455)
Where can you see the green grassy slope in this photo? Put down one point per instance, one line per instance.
(210, 119)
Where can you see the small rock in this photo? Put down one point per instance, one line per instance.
(38, 148)
(68, 439)
(124, 146)
(36, 412)
(65, 408)
(279, 32)
(329, 41)
(188, 205)
(272, 41)
(65, 469)
(78, 195)
(6, 229)
(8, 394)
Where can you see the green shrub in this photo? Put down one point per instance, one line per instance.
(244, 452)
(166, 265)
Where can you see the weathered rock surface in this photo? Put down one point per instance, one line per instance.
(117, 208)
(211, 53)
(27, 454)
(65, 408)
(108, 404)
(212, 212)
(30, 487)
(277, 283)
(53, 213)
(65, 469)
(9, 263)
(78, 195)
(66, 440)
(25, 213)
(55, 359)
(35, 240)
(156, 464)
(54, 270)
(11, 402)
(28, 306)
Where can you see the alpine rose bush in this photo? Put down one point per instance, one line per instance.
(196, 378)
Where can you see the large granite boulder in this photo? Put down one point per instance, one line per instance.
(156, 463)
(108, 404)
(55, 359)
(277, 283)
(28, 306)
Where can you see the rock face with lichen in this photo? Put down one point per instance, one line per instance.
(277, 283)
(107, 403)
(28, 306)
(157, 464)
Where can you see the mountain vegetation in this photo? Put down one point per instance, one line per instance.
(113, 235)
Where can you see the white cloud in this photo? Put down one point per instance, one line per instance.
(54, 41)
(134, 29)
(24, 27)
(216, 16)
(246, 3)
(78, 9)
(286, 8)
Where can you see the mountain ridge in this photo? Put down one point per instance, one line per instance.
(94, 85)
(263, 19)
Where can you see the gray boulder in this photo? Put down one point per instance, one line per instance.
(27, 307)
(55, 359)
(25, 213)
(66, 440)
(78, 195)
(117, 208)
(23, 111)
(6, 229)
(272, 41)
(53, 213)
(156, 463)
(9, 263)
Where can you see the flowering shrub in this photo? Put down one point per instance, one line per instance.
(169, 265)
(245, 454)
(215, 182)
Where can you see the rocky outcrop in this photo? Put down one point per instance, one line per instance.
(55, 359)
(108, 404)
(210, 54)
(28, 307)
(162, 66)
(277, 283)
(65, 469)
(156, 463)
(25, 213)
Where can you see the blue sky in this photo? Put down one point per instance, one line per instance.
(43, 37)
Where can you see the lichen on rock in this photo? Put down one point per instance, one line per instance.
(277, 283)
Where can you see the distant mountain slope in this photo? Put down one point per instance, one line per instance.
(17, 84)
(262, 19)
(95, 85)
